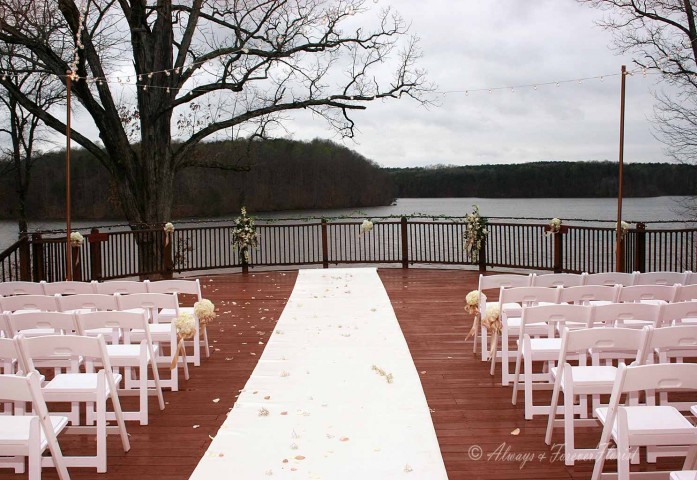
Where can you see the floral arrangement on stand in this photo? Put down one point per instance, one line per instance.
(76, 239)
(475, 231)
(472, 308)
(554, 226)
(244, 234)
(492, 322)
(169, 230)
(186, 330)
(204, 311)
(366, 226)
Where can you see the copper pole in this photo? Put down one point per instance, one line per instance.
(68, 249)
(619, 263)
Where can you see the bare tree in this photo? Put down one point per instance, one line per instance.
(23, 128)
(242, 62)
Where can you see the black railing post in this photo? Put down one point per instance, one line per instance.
(558, 248)
(481, 255)
(640, 248)
(24, 259)
(38, 257)
(405, 243)
(325, 245)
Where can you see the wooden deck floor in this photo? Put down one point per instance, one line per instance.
(472, 413)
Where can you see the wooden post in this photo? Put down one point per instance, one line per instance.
(481, 255)
(640, 248)
(95, 239)
(558, 249)
(405, 244)
(619, 254)
(168, 258)
(76, 273)
(325, 245)
(24, 259)
(68, 249)
(38, 257)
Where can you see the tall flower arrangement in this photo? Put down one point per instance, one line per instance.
(475, 231)
(244, 234)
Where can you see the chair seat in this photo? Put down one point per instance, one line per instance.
(600, 377)
(158, 331)
(630, 323)
(124, 355)
(170, 313)
(655, 425)
(684, 475)
(37, 332)
(539, 328)
(77, 383)
(14, 429)
(545, 348)
(512, 309)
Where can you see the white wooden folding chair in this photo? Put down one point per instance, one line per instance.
(627, 315)
(36, 303)
(685, 293)
(129, 357)
(89, 387)
(660, 278)
(510, 325)
(656, 294)
(633, 426)
(557, 280)
(494, 283)
(678, 313)
(590, 294)
(8, 289)
(186, 287)
(162, 333)
(90, 302)
(578, 381)
(34, 324)
(124, 287)
(543, 349)
(609, 278)
(68, 288)
(30, 435)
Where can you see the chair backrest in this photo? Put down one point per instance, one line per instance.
(91, 301)
(63, 348)
(681, 338)
(59, 322)
(690, 278)
(659, 278)
(124, 287)
(610, 278)
(617, 313)
(638, 293)
(21, 388)
(488, 282)
(556, 316)
(151, 302)
(604, 340)
(557, 280)
(685, 293)
(587, 293)
(677, 312)
(8, 354)
(68, 288)
(189, 287)
(123, 321)
(528, 296)
(46, 303)
(8, 289)
(659, 376)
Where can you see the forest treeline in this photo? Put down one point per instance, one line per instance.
(280, 175)
(292, 175)
(545, 180)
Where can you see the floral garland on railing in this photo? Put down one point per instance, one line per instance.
(492, 322)
(472, 308)
(244, 234)
(475, 231)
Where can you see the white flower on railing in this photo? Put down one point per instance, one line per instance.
(76, 239)
(169, 228)
(244, 234)
(624, 228)
(553, 227)
(366, 226)
(475, 231)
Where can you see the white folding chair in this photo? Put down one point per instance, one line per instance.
(34, 324)
(128, 356)
(680, 313)
(590, 294)
(557, 280)
(124, 287)
(495, 282)
(656, 294)
(510, 324)
(8, 289)
(544, 349)
(162, 333)
(660, 278)
(89, 388)
(690, 278)
(186, 287)
(581, 381)
(90, 302)
(30, 435)
(68, 288)
(36, 303)
(685, 293)
(635, 426)
(627, 315)
(609, 278)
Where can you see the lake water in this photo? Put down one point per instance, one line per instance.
(570, 210)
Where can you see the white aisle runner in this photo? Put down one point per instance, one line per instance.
(335, 394)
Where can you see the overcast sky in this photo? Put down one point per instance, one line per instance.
(469, 45)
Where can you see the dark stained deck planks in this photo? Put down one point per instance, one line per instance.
(469, 408)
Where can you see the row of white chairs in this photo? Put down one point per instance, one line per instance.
(108, 287)
(84, 375)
